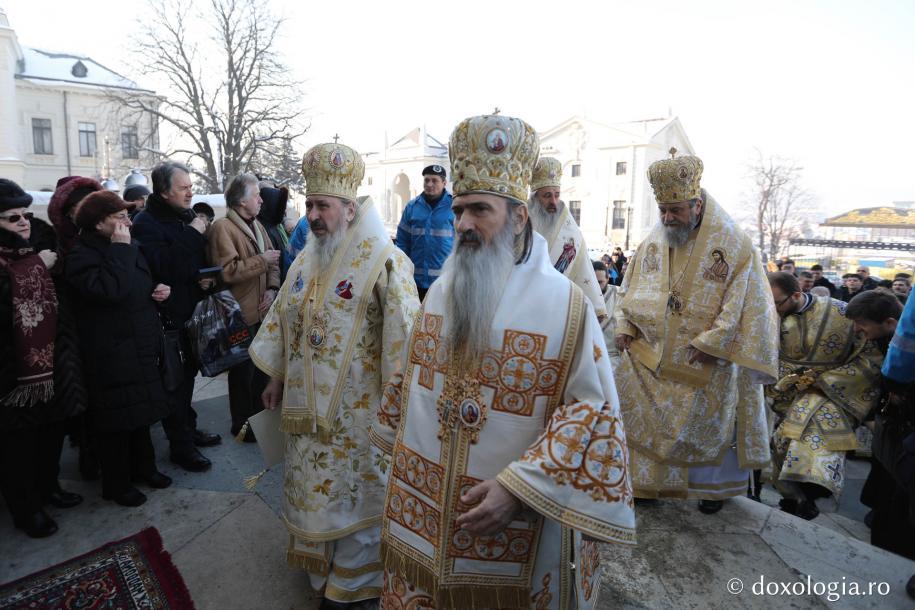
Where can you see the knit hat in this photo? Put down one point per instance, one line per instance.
(96, 207)
(12, 196)
(132, 193)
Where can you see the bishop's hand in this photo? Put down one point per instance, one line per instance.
(496, 509)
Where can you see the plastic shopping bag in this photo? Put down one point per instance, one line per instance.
(219, 336)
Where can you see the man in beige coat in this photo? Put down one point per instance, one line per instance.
(241, 246)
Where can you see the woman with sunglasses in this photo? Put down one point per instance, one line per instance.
(40, 370)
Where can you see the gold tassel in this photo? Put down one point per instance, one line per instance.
(240, 437)
(312, 565)
(252, 481)
(454, 596)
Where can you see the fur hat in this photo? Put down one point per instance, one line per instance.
(70, 190)
(12, 196)
(137, 191)
(96, 207)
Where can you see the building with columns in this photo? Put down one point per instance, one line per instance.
(604, 173)
(59, 117)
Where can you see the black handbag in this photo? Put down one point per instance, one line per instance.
(171, 358)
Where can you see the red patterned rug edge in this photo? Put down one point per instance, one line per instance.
(150, 541)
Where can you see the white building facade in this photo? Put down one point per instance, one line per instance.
(394, 177)
(58, 118)
(604, 179)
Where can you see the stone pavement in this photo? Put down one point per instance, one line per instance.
(228, 542)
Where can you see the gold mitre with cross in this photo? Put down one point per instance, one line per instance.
(493, 154)
(547, 172)
(332, 169)
(676, 179)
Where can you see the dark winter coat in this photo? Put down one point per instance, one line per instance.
(69, 391)
(175, 252)
(120, 333)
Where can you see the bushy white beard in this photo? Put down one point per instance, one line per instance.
(321, 250)
(477, 279)
(542, 221)
(679, 235)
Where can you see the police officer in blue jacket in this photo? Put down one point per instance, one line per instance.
(426, 229)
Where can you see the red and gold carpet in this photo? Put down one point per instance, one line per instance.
(135, 572)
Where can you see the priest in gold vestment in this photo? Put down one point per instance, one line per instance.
(829, 380)
(552, 219)
(336, 330)
(508, 454)
(699, 333)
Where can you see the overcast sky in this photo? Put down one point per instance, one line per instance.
(828, 83)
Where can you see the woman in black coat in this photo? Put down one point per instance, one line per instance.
(36, 393)
(121, 338)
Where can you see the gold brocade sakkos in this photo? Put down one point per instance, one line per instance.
(829, 381)
(712, 295)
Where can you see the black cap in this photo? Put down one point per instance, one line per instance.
(12, 196)
(132, 193)
(435, 170)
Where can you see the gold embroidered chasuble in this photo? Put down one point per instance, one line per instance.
(540, 414)
(829, 380)
(569, 255)
(361, 308)
(711, 294)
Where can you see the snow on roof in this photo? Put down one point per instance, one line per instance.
(68, 68)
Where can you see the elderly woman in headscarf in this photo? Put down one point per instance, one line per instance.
(121, 338)
(40, 370)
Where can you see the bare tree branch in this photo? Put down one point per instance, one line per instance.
(229, 95)
(780, 204)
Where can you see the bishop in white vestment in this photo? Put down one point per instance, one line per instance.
(566, 245)
(336, 330)
(508, 454)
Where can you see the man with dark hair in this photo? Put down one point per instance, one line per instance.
(481, 409)
(172, 241)
(875, 314)
(426, 229)
(820, 280)
(205, 212)
(805, 279)
(610, 292)
(825, 389)
(902, 286)
(851, 286)
(135, 197)
(787, 265)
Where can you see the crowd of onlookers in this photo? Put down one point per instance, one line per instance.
(93, 304)
(93, 308)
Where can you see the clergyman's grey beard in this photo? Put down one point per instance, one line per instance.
(542, 221)
(323, 248)
(678, 235)
(477, 277)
